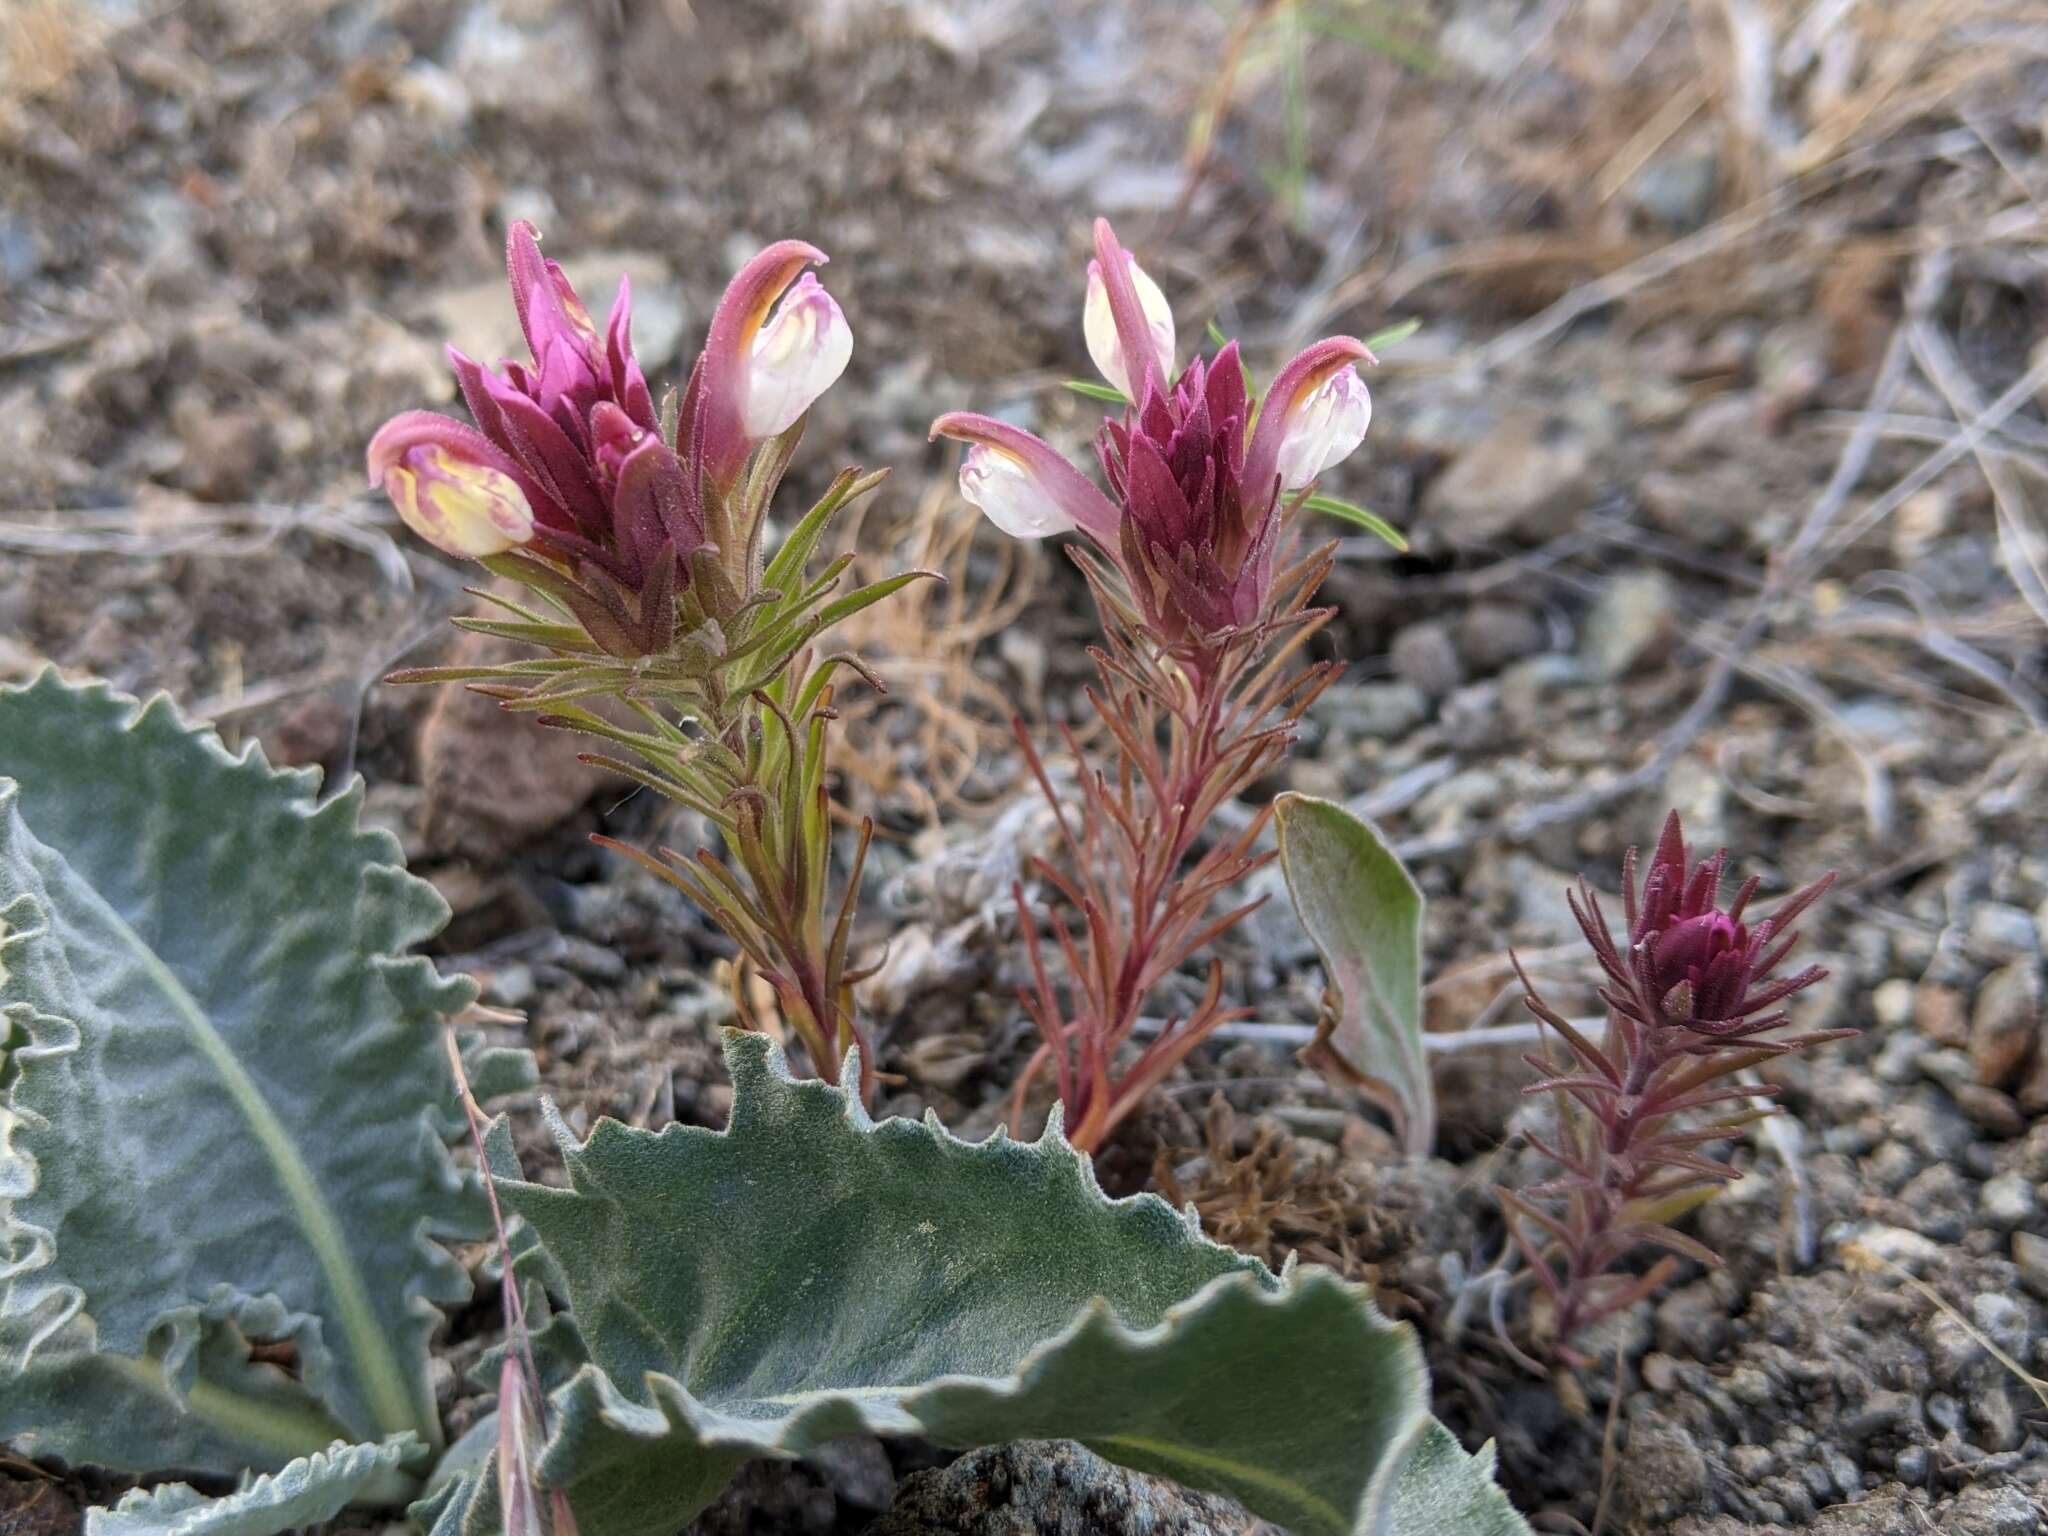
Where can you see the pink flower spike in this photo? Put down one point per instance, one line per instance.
(1325, 428)
(1281, 413)
(797, 356)
(718, 395)
(1023, 485)
(1104, 333)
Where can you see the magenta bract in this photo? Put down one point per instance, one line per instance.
(1692, 964)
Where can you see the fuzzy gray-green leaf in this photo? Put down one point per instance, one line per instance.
(308, 1491)
(225, 1112)
(1363, 911)
(808, 1274)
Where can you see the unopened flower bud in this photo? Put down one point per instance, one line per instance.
(797, 356)
(1008, 495)
(1098, 325)
(1323, 428)
(457, 505)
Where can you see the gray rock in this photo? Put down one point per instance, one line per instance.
(21, 251)
(1470, 717)
(1540, 901)
(1663, 1472)
(1930, 1122)
(1384, 711)
(1677, 190)
(1992, 1509)
(1050, 1488)
(1880, 1411)
(593, 962)
(1891, 1002)
(1752, 1463)
(1529, 689)
(2030, 1254)
(2007, 1201)
(541, 62)
(512, 986)
(2003, 931)
(1526, 479)
(1995, 1418)
(857, 1470)
(1425, 657)
(1692, 1321)
(2004, 1022)
(1944, 1412)
(1949, 1068)
(1632, 622)
(1898, 1059)
(1493, 635)
(2001, 1318)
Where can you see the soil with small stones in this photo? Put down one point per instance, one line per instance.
(233, 236)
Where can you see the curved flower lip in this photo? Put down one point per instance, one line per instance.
(1326, 429)
(1133, 325)
(1071, 495)
(417, 429)
(1308, 371)
(795, 358)
(1008, 496)
(720, 390)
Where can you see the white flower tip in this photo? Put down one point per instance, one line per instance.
(1008, 495)
(797, 356)
(1098, 326)
(1324, 428)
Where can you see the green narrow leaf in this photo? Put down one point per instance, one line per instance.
(1088, 389)
(309, 1491)
(1363, 911)
(1393, 335)
(866, 597)
(559, 637)
(808, 1274)
(787, 568)
(227, 1120)
(1371, 522)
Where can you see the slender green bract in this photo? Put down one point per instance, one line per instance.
(1363, 911)
(224, 1102)
(809, 1273)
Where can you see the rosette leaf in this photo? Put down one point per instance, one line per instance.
(808, 1273)
(309, 1491)
(224, 1102)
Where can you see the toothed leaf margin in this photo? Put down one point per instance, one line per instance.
(808, 1273)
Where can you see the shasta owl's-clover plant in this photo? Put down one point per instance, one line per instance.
(225, 1111)
(1692, 999)
(1204, 597)
(667, 632)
